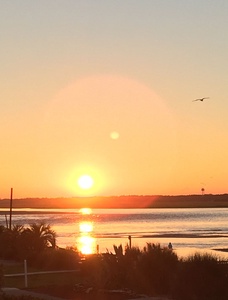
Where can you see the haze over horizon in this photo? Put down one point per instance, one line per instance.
(106, 89)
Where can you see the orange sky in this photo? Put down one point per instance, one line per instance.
(106, 90)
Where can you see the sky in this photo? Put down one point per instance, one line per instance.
(105, 88)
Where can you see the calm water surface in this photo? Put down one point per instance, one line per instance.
(98, 229)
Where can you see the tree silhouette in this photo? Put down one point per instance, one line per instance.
(40, 236)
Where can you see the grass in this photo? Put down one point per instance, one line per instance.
(16, 267)
(36, 280)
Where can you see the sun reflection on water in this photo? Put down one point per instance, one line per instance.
(86, 243)
(86, 227)
(85, 211)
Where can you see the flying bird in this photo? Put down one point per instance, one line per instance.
(201, 99)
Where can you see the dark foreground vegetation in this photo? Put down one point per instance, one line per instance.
(152, 270)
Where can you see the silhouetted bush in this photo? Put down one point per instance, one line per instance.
(96, 271)
(132, 257)
(26, 243)
(148, 271)
(155, 269)
(200, 277)
(106, 271)
(57, 259)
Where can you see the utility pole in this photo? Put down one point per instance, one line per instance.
(11, 207)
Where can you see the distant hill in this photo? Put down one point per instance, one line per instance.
(181, 201)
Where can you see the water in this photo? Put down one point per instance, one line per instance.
(188, 229)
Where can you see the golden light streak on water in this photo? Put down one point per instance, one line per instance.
(86, 244)
(86, 227)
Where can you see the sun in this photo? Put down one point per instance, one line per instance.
(85, 182)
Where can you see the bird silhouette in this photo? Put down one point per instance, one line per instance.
(201, 99)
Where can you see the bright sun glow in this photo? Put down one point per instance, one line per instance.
(85, 182)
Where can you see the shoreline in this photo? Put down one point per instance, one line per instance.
(127, 201)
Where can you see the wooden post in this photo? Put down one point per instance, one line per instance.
(26, 273)
(11, 207)
(6, 221)
(129, 241)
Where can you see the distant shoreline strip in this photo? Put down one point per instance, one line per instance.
(157, 235)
